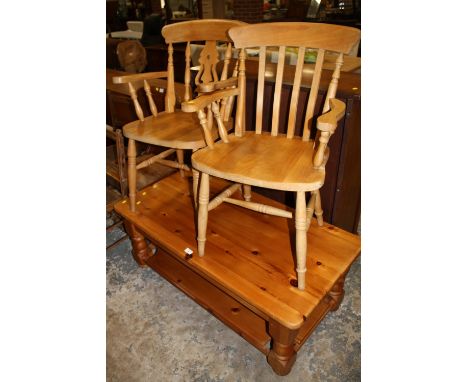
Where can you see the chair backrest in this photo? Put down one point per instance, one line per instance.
(208, 31)
(321, 37)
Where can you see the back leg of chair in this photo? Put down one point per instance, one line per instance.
(132, 173)
(246, 190)
(318, 208)
(301, 238)
(195, 182)
(203, 199)
(180, 160)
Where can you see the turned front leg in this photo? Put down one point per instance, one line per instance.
(282, 354)
(195, 181)
(132, 173)
(203, 199)
(301, 238)
(140, 249)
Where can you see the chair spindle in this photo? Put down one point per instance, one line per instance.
(313, 94)
(278, 88)
(187, 72)
(151, 103)
(170, 96)
(227, 60)
(295, 92)
(240, 117)
(134, 97)
(222, 130)
(230, 100)
(260, 89)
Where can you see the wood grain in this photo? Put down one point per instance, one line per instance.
(256, 270)
(334, 38)
(263, 161)
(280, 163)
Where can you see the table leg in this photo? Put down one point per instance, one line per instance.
(282, 354)
(337, 293)
(140, 249)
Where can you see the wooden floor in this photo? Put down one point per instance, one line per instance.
(247, 275)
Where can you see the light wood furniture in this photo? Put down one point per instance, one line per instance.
(271, 160)
(340, 194)
(173, 128)
(247, 283)
(120, 111)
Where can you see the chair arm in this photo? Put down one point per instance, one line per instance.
(138, 77)
(327, 123)
(204, 100)
(217, 85)
(329, 120)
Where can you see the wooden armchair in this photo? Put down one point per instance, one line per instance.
(172, 128)
(291, 162)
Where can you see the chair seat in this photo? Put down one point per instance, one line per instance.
(176, 130)
(264, 161)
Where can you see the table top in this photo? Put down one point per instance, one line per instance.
(248, 254)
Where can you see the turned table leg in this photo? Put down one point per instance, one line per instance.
(337, 293)
(140, 249)
(282, 354)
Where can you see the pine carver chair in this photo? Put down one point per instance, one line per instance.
(268, 159)
(173, 128)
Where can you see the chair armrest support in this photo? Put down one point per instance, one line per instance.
(138, 77)
(329, 120)
(327, 123)
(212, 86)
(204, 100)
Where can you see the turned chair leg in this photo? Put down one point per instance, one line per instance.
(301, 238)
(247, 192)
(195, 178)
(180, 160)
(318, 208)
(203, 199)
(132, 173)
(195, 182)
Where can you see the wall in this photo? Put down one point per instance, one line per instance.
(250, 11)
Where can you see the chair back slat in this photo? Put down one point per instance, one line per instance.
(314, 87)
(260, 89)
(187, 76)
(278, 88)
(295, 92)
(207, 64)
